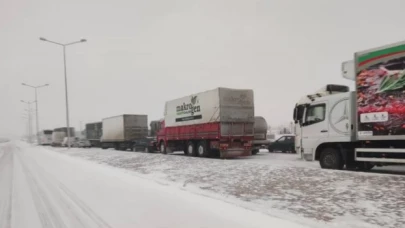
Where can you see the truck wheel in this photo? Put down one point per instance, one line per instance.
(202, 149)
(255, 151)
(162, 148)
(270, 150)
(191, 151)
(292, 150)
(331, 159)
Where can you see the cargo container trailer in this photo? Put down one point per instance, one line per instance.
(217, 122)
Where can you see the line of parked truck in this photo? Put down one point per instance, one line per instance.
(214, 123)
(357, 130)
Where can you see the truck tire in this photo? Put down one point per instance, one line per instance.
(331, 159)
(292, 150)
(185, 150)
(162, 147)
(202, 149)
(191, 150)
(255, 151)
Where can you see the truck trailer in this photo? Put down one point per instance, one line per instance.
(215, 122)
(45, 137)
(122, 132)
(358, 129)
(59, 134)
(94, 132)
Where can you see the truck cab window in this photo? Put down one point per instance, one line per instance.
(315, 114)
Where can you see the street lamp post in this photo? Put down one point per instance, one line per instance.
(36, 105)
(66, 87)
(29, 118)
(28, 126)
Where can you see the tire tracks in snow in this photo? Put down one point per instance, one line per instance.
(6, 188)
(47, 213)
(76, 212)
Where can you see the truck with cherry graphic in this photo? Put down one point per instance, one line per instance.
(357, 129)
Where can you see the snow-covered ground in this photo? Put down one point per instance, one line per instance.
(42, 188)
(275, 184)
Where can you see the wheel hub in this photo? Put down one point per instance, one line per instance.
(330, 160)
(200, 150)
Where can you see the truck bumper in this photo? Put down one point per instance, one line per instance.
(308, 154)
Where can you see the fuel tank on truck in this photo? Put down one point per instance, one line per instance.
(260, 128)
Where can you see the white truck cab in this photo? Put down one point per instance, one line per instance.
(359, 129)
(322, 117)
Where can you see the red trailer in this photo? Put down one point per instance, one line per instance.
(216, 122)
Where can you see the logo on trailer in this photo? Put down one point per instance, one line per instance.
(192, 110)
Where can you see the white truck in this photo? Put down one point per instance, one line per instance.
(359, 129)
(45, 137)
(124, 131)
(59, 134)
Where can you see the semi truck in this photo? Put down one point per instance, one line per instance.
(357, 129)
(59, 134)
(124, 131)
(45, 137)
(260, 140)
(217, 122)
(94, 132)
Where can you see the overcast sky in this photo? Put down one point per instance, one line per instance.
(140, 54)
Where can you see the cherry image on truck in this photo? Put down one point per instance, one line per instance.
(217, 122)
(357, 129)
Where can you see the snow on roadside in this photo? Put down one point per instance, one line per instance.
(308, 195)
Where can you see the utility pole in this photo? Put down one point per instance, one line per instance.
(36, 105)
(65, 73)
(29, 118)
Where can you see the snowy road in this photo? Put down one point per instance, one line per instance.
(275, 184)
(42, 188)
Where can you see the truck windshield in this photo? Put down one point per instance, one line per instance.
(315, 114)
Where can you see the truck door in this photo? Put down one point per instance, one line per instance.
(314, 128)
(298, 119)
